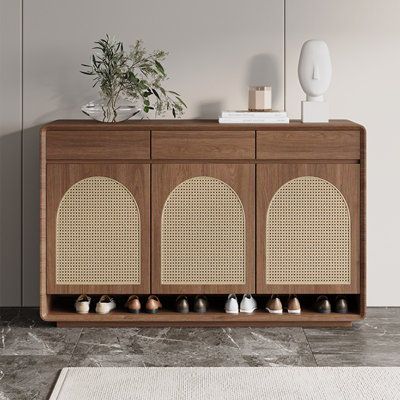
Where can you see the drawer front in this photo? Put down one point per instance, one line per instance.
(203, 145)
(304, 145)
(89, 145)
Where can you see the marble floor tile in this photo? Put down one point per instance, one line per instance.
(384, 313)
(41, 341)
(365, 337)
(362, 359)
(32, 352)
(8, 313)
(22, 318)
(29, 377)
(193, 347)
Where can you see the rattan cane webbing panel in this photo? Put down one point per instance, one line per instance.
(98, 234)
(308, 234)
(203, 237)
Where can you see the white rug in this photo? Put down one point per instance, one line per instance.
(281, 383)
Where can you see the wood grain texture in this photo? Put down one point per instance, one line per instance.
(354, 168)
(340, 145)
(45, 298)
(136, 178)
(203, 145)
(195, 124)
(203, 324)
(346, 178)
(165, 178)
(363, 223)
(209, 319)
(104, 145)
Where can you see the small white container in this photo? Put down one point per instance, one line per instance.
(260, 98)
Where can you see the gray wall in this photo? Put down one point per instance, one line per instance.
(10, 152)
(363, 36)
(217, 49)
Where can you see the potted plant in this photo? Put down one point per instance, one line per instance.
(130, 82)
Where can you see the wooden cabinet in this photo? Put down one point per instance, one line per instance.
(197, 207)
(98, 233)
(308, 228)
(203, 228)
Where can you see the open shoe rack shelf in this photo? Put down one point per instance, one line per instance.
(195, 207)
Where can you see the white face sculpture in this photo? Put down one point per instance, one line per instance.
(315, 69)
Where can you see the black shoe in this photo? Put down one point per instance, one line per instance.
(341, 306)
(182, 304)
(200, 304)
(322, 305)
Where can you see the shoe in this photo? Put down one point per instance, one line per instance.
(105, 304)
(274, 305)
(200, 304)
(248, 304)
(341, 306)
(322, 305)
(153, 304)
(82, 304)
(232, 305)
(133, 304)
(182, 305)
(293, 306)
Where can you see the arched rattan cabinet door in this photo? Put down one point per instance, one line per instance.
(308, 228)
(98, 227)
(203, 221)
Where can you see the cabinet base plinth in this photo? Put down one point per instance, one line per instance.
(259, 318)
(270, 324)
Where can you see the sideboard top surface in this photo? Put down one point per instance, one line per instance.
(196, 125)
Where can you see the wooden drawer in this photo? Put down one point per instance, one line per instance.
(304, 145)
(203, 145)
(105, 145)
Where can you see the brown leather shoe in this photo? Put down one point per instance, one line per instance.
(293, 306)
(133, 304)
(274, 305)
(153, 304)
(200, 304)
(182, 304)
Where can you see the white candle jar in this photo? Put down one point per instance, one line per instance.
(260, 98)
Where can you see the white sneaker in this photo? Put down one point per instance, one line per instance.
(105, 305)
(231, 304)
(82, 304)
(248, 304)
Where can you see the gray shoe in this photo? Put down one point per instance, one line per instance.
(200, 304)
(341, 306)
(322, 305)
(182, 304)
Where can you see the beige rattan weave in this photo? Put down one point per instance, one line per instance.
(203, 236)
(308, 234)
(98, 234)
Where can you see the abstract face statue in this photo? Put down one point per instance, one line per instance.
(315, 69)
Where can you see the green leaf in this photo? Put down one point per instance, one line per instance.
(181, 101)
(156, 94)
(159, 67)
